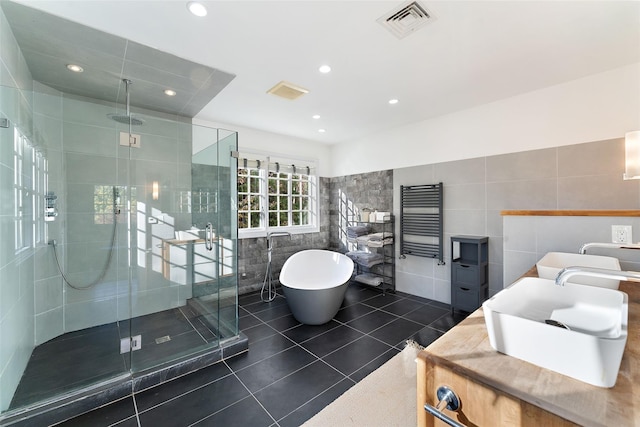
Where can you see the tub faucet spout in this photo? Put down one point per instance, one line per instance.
(603, 273)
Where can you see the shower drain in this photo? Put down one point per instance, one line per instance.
(163, 339)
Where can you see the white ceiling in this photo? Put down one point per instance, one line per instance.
(474, 52)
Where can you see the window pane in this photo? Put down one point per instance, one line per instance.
(295, 187)
(284, 203)
(273, 203)
(295, 203)
(255, 172)
(304, 218)
(255, 219)
(284, 219)
(255, 203)
(243, 219)
(243, 202)
(283, 187)
(254, 185)
(242, 184)
(304, 203)
(295, 218)
(273, 186)
(273, 219)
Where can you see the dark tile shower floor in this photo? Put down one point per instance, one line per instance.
(291, 371)
(81, 358)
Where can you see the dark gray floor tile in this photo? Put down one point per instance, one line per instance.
(283, 323)
(260, 350)
(426, 314)
(265, 372)
(259, 332)
(104, 416)
(448, 321)
(402, 307)
(196, 405)
(357, 293)
(353, 311)
(309, 409)
(262, 306)
(284, 396)
(372, 321)
(382, 300)
(273, 312)
(161, 393)
(248, 321)
(396, 332)
(331, 340)
(302, 333)
(354, 356)
(426, 336)
(246, 412)
(153, 353)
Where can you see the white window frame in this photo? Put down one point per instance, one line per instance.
(267, 162)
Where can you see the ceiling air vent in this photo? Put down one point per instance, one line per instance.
(406, 19)
(287, 90)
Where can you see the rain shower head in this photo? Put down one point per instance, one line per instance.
(126, 119)
(123, 118)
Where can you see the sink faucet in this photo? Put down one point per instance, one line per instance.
(583, 248)
(602, 273)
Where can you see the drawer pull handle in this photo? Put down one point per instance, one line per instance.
(464, 266)
(448, 399)
(465, 289)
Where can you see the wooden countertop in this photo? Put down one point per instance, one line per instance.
(465, 349)
(571, 213)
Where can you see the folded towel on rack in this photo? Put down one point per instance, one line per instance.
(369, 279)
(357, 230)
(380, 236)
(365, 259)
(380, 243)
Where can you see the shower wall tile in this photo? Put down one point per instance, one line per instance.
(48, 294)
(89, 169)
(49, 325)
(87, 111)
(87, 314)
(90, 140)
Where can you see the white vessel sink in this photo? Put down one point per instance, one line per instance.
(590, 350)
(552, 263)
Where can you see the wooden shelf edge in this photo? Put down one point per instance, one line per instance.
(570, 213)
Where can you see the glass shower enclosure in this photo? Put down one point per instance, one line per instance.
(118, 240)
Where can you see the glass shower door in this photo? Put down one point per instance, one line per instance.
(183, 246)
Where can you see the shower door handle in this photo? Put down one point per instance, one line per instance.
(208, 236)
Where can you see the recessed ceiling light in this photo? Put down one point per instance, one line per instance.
(197, 8)
(75, 68)
(324, 69)
(316, 116)
(170, 92)
(393, 101)
(321, 130)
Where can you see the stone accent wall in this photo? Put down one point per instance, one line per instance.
(252, 252)
(351, 194)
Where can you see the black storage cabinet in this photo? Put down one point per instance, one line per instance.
(469, 272)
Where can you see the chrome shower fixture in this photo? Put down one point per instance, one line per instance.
(126, 119)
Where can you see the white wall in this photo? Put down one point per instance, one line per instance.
(266, 142)
(597, 107)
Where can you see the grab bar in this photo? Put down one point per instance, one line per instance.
(448, 399)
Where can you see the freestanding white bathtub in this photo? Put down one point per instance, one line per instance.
(314, 282)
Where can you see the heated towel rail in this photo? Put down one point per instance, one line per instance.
(421, 230)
